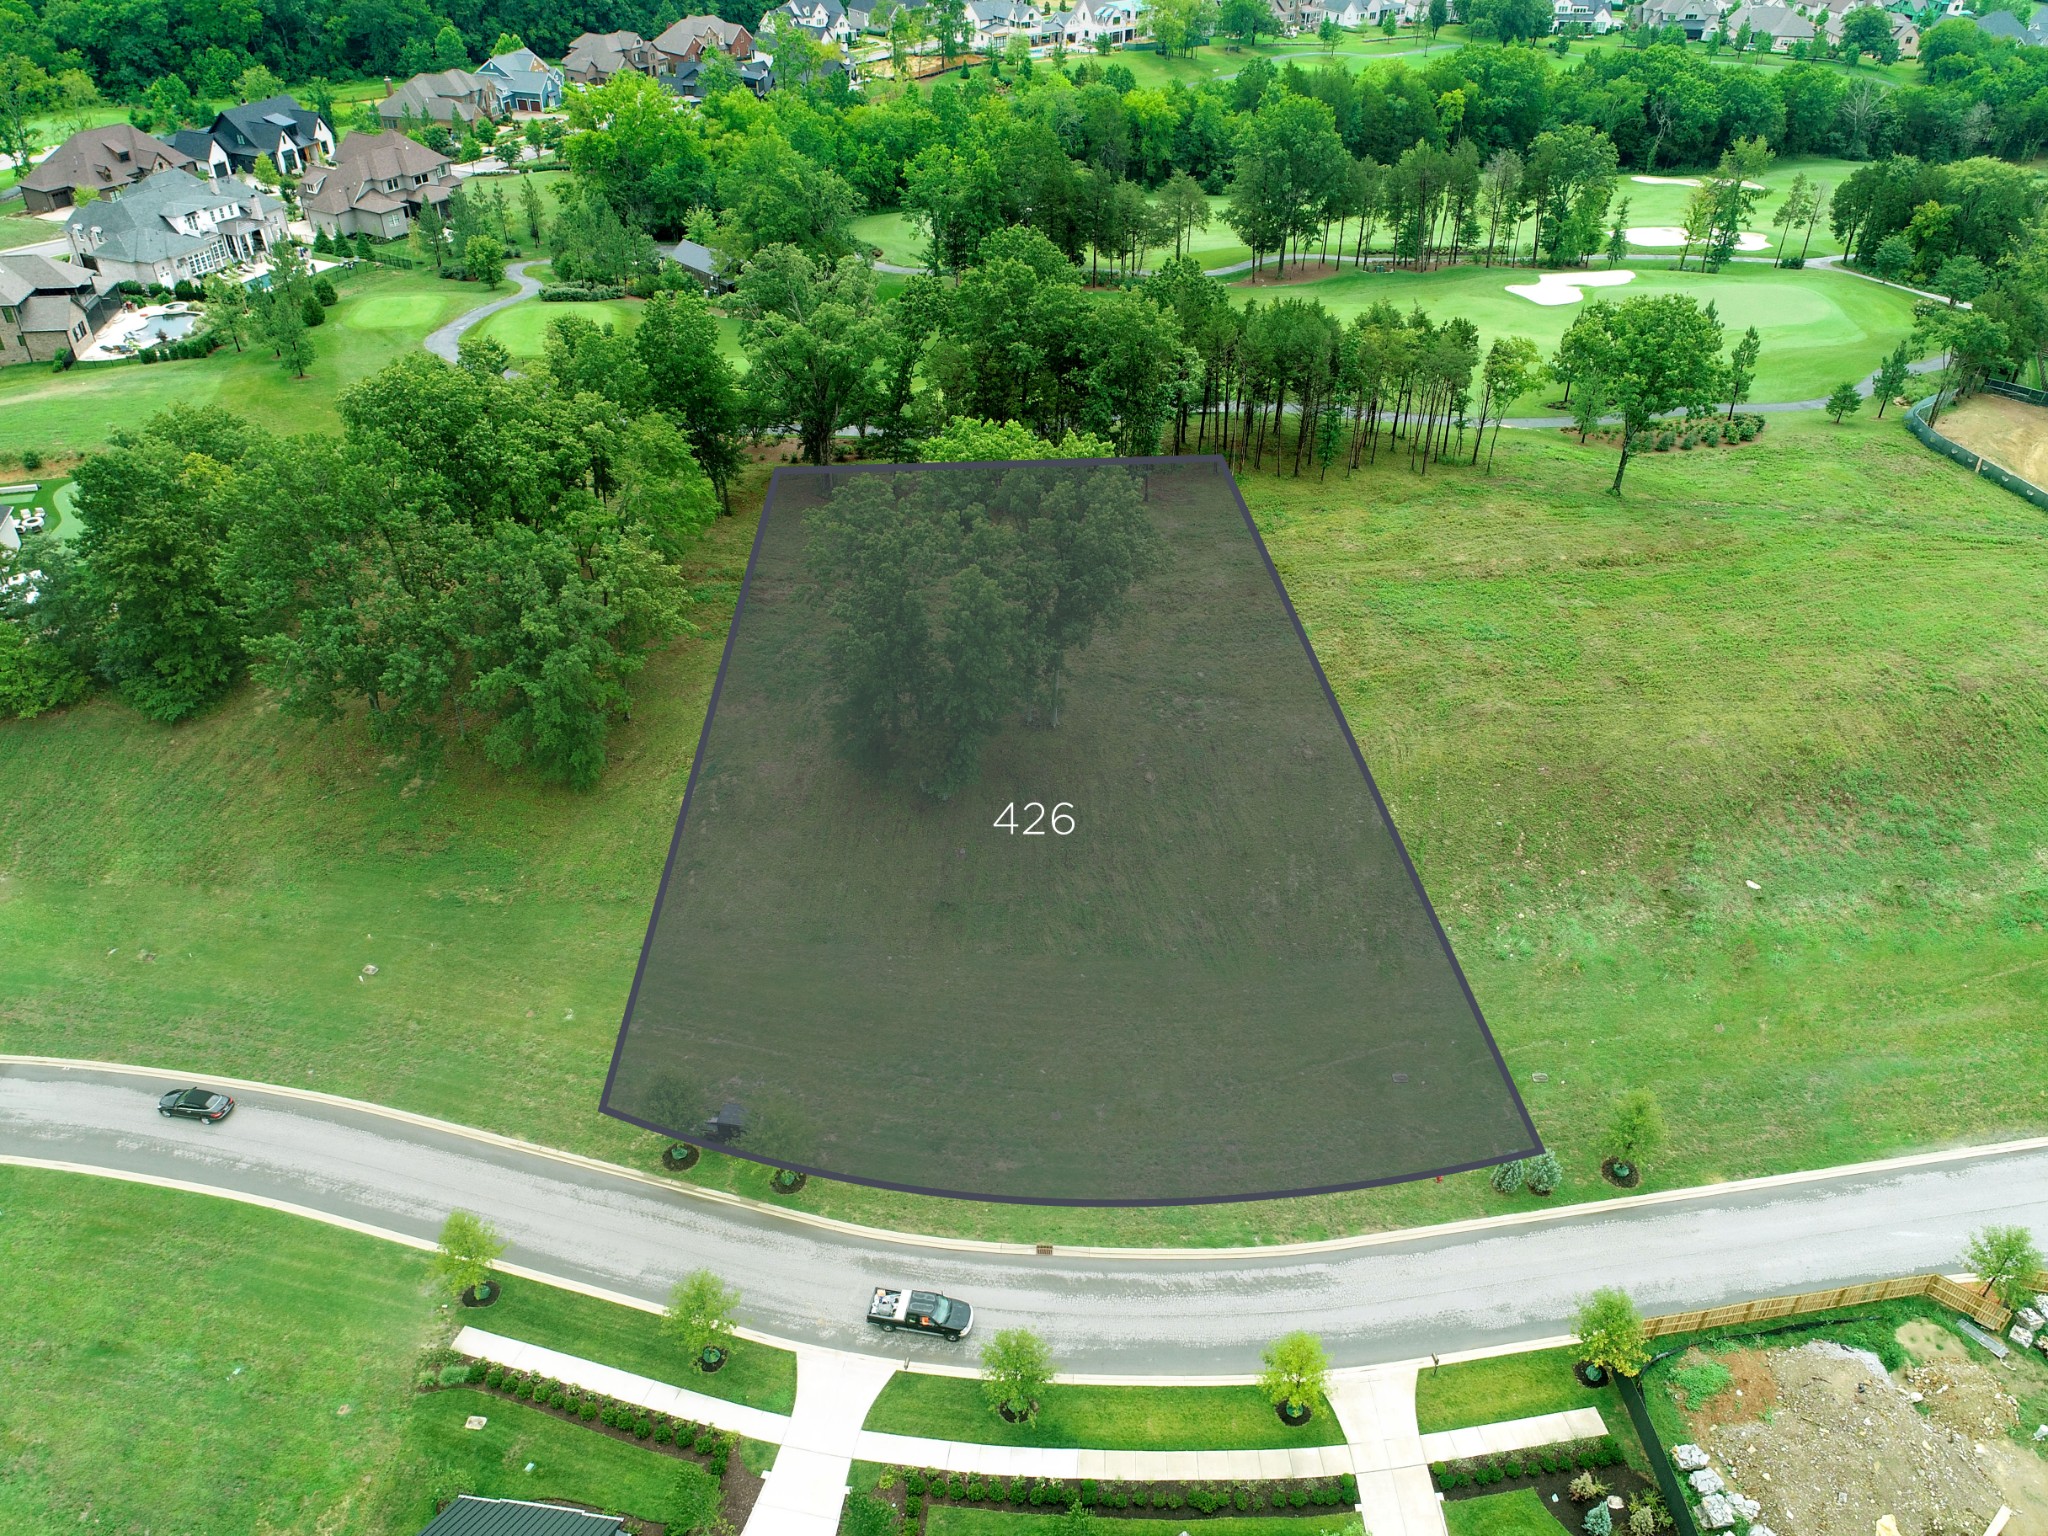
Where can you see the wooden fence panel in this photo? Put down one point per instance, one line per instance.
(1983, 1309)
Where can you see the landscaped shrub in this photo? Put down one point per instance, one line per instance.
(573, 293)
(642, 1427)
(913, 1507)
(525, 1390)
(1544, 1173)
(557, 1398)
(719, 1456)
(1506, 1177)
(956, 1487)
(496, 1376)
(915, 1485)
(1664, 442)
(705, 1442)
(128, 285)
(1686, 442)
(1090, 1494)
(323, 290)
(977, 1490)
(664, 1433)
(454, 1375)
(1598, 1521)
(1586, 1487)
(587, 1410)
(1349, 1485)
(1241, 1499)
(1120, 1500)
(1514, 1467)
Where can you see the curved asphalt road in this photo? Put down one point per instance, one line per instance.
(444, 342)
(1190, 1314)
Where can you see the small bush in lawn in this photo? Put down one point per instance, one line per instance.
(664, 1433)
(915, 1485)
(1514, 1467)
(587, 1410)
(956, 1487)
(1686, 442)
(1506, 1177)
(495, 1377)
(642, 1428)
(977, 1490)
(1297, 1498)
(31, 458)
(704, 1442)
(525, 1392)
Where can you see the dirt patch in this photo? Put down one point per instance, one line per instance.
(1845, 1446)
(1750, 1393)
(1927, 1342)
(2022, 1476)
(2010, 433)
(1962, 1396)
(1297, 272)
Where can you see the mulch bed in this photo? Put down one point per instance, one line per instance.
(1297, 272)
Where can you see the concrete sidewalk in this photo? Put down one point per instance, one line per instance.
(1514, 1435)
(1376, 1406)
(807, 1484)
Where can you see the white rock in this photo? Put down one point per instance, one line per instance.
(2029, 1318)
(1749, 1509)
(1716, 1513)
(1760, 1530)
(2024, 1337)
(1706, 1480)
(1690, 1458)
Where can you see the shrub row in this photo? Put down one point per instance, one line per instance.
(1483, 1471)
(1206, 1498)
(204, 344)
(594, 1408)
(568, 293)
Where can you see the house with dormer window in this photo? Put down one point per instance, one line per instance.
(174, 227)
(377, 186)
(293, 138)
(104, 159)
(525, 81)
(596, 56)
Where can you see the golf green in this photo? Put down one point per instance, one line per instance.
(1818, 327)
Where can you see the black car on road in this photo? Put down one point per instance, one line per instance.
(195, 1104)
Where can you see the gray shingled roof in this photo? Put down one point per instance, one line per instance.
(472, 1516)
(134, 222)
(23, 275)
(525, 73)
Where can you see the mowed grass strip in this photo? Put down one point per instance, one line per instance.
(1099, 1418)
(1505, 1387)
(182, 1362)
(1811, 662)
(628, 1339)
(1520, 1513)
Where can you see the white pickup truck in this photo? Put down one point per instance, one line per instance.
(898, 1306)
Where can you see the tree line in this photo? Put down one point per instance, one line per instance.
(472, 556)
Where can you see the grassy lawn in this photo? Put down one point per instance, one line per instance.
(220, 1347)
(1808, 663)
(1520, 1513)
(17, 229)
(1818, 328)
(1106, 1418)
(522, 329)
(947, 1520)
(631, 1340)
(383, 312)
(1507, 1387)
(1663, 202)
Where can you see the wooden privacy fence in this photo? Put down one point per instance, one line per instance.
(1962, 1298)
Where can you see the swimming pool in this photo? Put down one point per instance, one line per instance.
(165, 328)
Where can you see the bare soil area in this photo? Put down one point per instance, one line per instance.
(2010, 433)
(1844, 1446)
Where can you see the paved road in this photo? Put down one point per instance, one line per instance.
(443, 343)
(1190, 1314)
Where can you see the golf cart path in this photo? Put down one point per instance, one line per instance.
(1393, 1297)
(445, 342)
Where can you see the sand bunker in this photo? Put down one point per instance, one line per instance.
(1564, 287)
(1684, 181)
(1671, 234)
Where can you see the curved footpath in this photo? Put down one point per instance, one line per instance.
(444, 342)
(1391, 1298)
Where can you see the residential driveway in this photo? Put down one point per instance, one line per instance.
(1190, 1313)
(443, 343)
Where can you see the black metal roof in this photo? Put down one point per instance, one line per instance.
(472, 1516)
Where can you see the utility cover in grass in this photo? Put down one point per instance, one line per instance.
(1026, 856)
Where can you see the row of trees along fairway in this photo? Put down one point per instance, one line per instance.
(471, 555)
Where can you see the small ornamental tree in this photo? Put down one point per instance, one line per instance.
(1844, 402)
(1892, 375)
(1610, 1333)
(469, 1247)
(700, 1315)
(1295, 1374)
(2004, 1260)
(1636, 1132)
(1015, 1367)
(1598, 1521)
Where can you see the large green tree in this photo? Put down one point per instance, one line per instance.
(1645, 357)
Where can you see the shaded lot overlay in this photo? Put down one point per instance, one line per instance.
(1150, 938)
